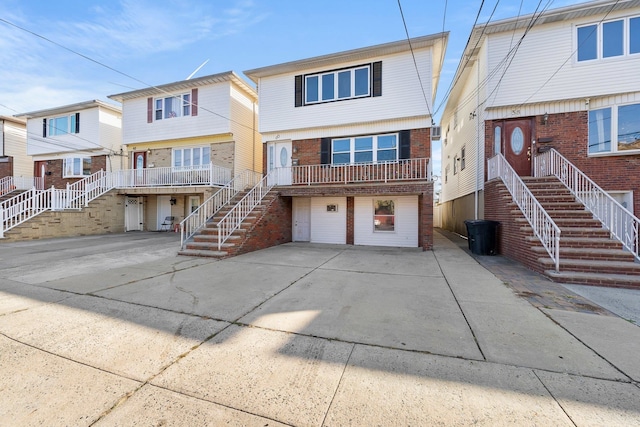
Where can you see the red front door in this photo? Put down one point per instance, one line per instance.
(139, 159)
(517, 145)
(39, 172)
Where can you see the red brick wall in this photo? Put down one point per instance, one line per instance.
(6, 167)
(512, 239)
(272, 228)
(569, 133)
(350, 220)
(56, 177)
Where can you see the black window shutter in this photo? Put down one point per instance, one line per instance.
(149, 110)
(325, 151)
(377, 78)
(405, 144)
(298, 101)
(77, 123)
(44, 128)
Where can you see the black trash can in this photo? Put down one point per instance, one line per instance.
(483, 236)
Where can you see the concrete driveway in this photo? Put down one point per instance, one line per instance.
(118, 330)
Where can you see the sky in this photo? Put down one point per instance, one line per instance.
(69, 51)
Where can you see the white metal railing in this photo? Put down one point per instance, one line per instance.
(18, 209)
(22, 207)
(10, 183)
(199, 217)
(232, 220)
(401, 170)
(620, 222)
(541, 223)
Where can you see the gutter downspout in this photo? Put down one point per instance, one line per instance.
(478, 147)
(2, 124)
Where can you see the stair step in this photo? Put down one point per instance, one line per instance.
(599, 279)
(201, 253)
(584, 232)
(214, 237)
(593, 266)
(208, 245)
(587, 241)
(599, 254)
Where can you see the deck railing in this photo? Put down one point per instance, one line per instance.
(620, 222)
(232, 220)
(19, 209)
(401, 170)
(200, 216)
(10, 183)
(541, 223)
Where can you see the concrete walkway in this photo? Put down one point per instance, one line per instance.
(117, 330)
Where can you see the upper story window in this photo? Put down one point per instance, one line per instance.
(614, 129)
(61, 125)
(75, 167)
(336, 85)
(608, 39)
(365, 149)
(192, 157)
(463, 159)
(173, 106)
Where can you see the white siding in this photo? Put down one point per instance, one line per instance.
(406, 222)
(463, 132)
(15, 145)
(545, 67)
(401, 97)
(248, 152)
(328, 227)
(213, 118)
(111, 137)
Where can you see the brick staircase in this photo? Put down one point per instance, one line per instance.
(587, 254)
(205, 242)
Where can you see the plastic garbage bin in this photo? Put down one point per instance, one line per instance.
(483, 236)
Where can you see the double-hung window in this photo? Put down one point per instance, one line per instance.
(614, 129)
(75, 167)
(63, 125)
(365, 149)
(192, 158)
(173, 106)
(608, 39)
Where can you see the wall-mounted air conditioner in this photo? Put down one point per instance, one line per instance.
(436, 133)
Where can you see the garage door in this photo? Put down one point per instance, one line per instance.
(386, 221)
(329, 220)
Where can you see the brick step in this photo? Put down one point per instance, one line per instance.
(582, 242)
(209, 246)
(551, 197)
(593, 266)
(213, 231)
(565, 213)
(212, 224)
(598, 279)
(201, 253)
(214, 237)
(598, 254)
(563, 206)
(597, 231)
(577, 222)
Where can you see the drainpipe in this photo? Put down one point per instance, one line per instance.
(478, 147)
(2, 124)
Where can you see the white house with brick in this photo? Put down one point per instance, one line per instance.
(542, 132)
(204, 122)
(70, 142)
(347, 143)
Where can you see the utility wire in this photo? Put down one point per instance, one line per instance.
(404, 22)
(116, 71)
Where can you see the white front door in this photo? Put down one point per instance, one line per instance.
(279, 157)
(133, 213)
(301, 219)
(163, 209)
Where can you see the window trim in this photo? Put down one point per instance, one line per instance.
(626, 40)
(183, 102)
(374, 149)
(394, 202)
(81, 163)
(614, 130)
(202, 148)
(463, 157)
(73, 125)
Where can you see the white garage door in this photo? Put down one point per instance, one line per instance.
(386, 221)
(329, 220)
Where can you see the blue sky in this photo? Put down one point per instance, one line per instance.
(162, 42)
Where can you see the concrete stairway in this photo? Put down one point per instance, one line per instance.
(205, 242)
(587, 254)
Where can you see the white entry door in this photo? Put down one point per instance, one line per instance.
(301, 219)
(163, 209)
(133, 213)
(279, 157)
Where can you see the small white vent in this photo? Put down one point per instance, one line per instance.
(436, 133)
